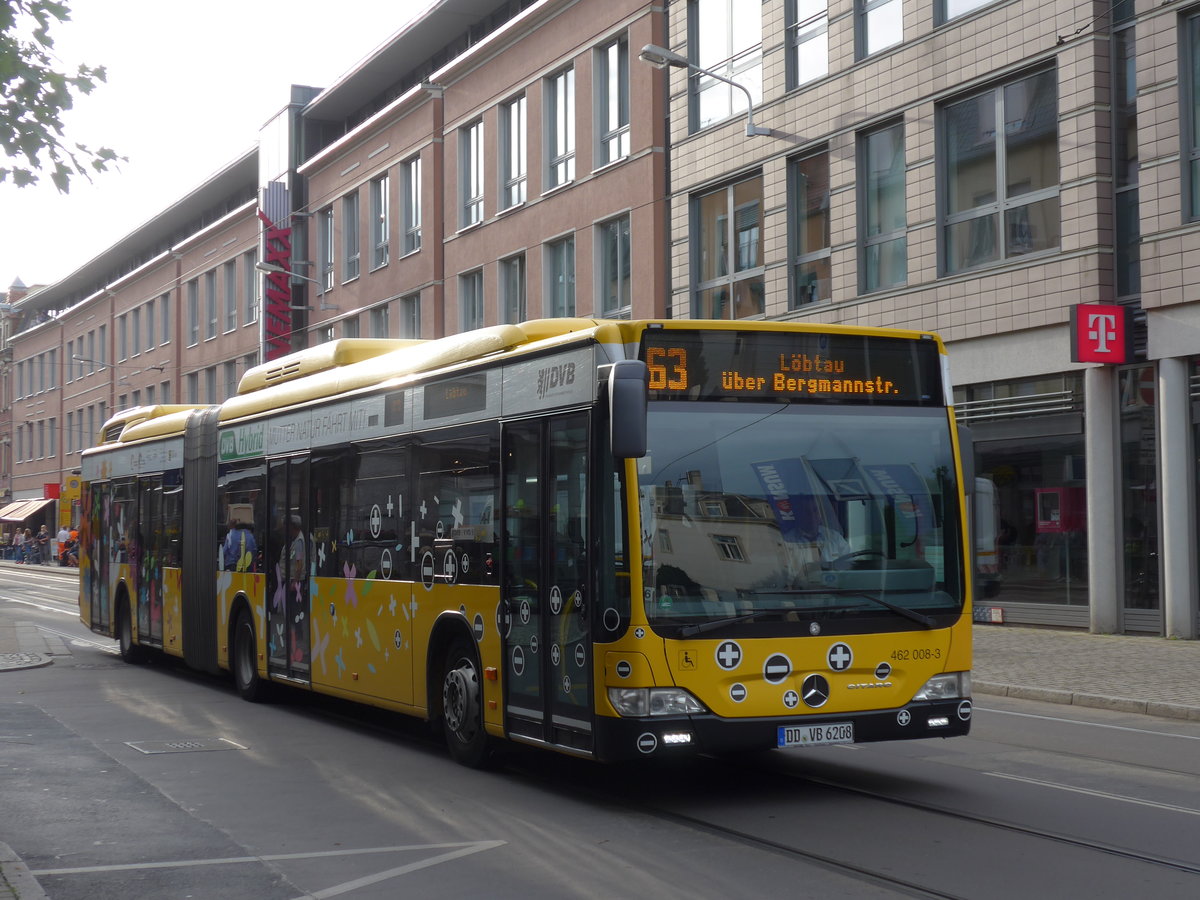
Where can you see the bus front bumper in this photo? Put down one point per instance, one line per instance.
(662, 737)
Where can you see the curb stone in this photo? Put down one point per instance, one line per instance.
(15, 880)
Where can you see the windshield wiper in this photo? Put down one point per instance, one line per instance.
(919, 618)
(713, 624)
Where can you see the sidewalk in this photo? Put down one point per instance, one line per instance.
(1150, 675)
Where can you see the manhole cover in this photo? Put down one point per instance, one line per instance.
(184, 745)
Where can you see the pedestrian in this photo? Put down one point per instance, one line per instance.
(26, 546)
(64, 535)
(43, 545)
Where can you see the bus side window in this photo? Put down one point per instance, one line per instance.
(457, 488)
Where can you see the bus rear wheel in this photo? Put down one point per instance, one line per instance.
(245, 661)
(462, 705)
(130, 652)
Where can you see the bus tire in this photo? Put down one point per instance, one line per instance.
(244, 664)
(130, 652)
(462, 705)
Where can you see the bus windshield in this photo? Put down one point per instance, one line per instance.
(758, 513)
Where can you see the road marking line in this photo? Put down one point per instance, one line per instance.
(348, 886)
(1091, 793)
(461, 849)
(1005, 712)
(53, 609)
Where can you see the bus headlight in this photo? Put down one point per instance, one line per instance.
(948, 686)
(654, 702)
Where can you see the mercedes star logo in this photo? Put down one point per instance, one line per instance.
(815, 690)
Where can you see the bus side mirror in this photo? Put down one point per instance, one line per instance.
(628, 385)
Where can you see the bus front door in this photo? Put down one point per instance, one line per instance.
(545, 581)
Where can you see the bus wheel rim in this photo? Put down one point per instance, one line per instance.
(460, 698)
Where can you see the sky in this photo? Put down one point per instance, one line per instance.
(188, 87)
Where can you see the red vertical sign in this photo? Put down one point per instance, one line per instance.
(277, 306)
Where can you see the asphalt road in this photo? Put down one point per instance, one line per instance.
(152, 782)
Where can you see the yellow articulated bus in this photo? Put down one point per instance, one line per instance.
(614, 539)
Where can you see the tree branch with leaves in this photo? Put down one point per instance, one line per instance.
(34, 95)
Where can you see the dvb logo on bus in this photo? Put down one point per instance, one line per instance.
(553, 377)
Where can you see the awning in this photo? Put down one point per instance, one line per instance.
(22, 510)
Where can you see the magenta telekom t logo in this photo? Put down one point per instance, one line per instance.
(1102, 328)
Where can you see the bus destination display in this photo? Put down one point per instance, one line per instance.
(686, 365)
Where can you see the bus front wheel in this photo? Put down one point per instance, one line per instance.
(462, 705)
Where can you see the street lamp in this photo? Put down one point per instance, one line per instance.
(280, 270)
(661, 58)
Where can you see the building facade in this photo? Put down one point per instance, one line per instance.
(978, 169)
(975, 168)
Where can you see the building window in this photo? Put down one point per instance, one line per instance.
(379, 222)
(210, 304)
(231, 379)
(193, 312)
(883, 215)
(808, 41)
(810, 245)
(512, 289)
(164, 306)
(1000, 189)
(727, 40)
(729, 252)
(560, 278)
(880, 25)
(251, 279)
(122, 338)
(151, 338)
(164, 392)
(612, 101)
(1126, 250)
(135, 331)
(1191, 128)
(325, 248)
(379, 322)
(412, 204)
(350, 241)
(350, 327)
(513, 146)
(410, 317)
(210, 385)
(729, 548)
(613, 269)
(193, 387)
(560, 125)
(231, 304)
(470, 151)
(470, 300)
(952, 9)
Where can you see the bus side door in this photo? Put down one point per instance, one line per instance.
(545, 580)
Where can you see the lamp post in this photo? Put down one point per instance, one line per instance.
(661, 58)
(279, 270)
